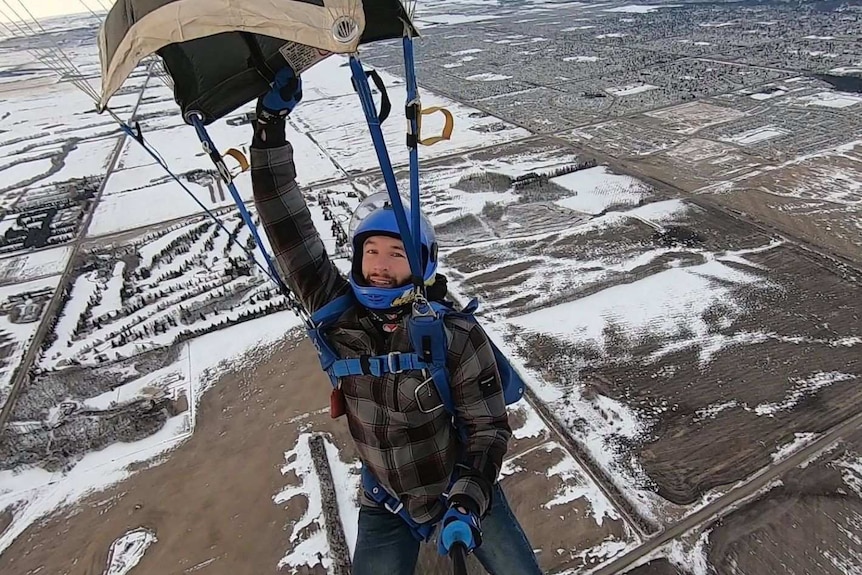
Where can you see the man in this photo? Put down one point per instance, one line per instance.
(406, 441)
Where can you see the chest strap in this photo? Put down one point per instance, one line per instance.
(377, 365)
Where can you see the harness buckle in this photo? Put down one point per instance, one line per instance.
(395, 511)
(426, 385)
(393, 359)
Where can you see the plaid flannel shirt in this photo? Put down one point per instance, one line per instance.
(402, 432)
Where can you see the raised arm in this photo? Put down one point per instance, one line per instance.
(301, 256)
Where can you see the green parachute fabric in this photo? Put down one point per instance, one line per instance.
(222, 54)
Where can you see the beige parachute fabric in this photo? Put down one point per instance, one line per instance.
(136, 29)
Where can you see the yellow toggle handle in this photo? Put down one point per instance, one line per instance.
(244, 165)
(447, 129)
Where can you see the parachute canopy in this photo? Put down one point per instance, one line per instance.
(222, 54)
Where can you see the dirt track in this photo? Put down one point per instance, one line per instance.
(210, 501)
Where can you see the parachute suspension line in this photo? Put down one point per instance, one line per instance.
(136, 135)
(90, 10)
(5, 27)
(360, 81)
(210, 149)
(59, 60)
(413, 109)
(42, 55)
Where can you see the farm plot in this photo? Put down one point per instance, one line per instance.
(808, 522)
(833, 177)
(785, 133)
(621, 138)
(646, 330)
(34, 265)
(21, 310)
(690, 118)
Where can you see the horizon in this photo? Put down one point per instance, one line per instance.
(50, 8)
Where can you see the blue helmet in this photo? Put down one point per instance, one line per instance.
(376, 217)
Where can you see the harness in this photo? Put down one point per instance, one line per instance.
(427, 333)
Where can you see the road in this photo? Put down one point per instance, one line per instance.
(22, 374)
(728, 502)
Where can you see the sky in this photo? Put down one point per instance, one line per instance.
(43, 8)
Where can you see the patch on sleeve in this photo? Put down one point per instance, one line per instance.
(486, 383)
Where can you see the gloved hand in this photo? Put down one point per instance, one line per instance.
(285, 94)
(459, 526)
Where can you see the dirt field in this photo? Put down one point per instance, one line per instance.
(830, 226)
(809, 524)
(210, 501)
(211, 506)
(748, 399)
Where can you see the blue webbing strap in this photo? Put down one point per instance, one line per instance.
(210, 148)
(420, 531)
(360, 80)
(269, 272)
(378, 365)
(413, 143)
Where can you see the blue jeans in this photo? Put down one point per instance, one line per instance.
(385, 545)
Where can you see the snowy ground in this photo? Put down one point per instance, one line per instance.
(19, 322)
(542, 258)
(33, 493)
(34, 265)
(539, 473)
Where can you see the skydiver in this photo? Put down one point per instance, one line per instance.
(405, 442)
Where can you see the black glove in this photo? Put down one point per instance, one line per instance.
(274, 106)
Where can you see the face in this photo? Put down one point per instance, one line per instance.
(384, 262)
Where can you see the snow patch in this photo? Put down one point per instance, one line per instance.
(487, 77)
(851, 472)
(692, 559)
(347, 480)
(756, 135)
(596, 189)
(533, 425)
(630, 89)
(581, 59)
(800, 440)
(803, 387)
(640, 8)
(127, 551)
(767, 95)
(831, 100)
(314, 549)
(576, 486)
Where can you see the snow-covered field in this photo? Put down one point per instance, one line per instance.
(596, 190)
(22, 307)
(34, 265)
(630, 90)
(756, 135)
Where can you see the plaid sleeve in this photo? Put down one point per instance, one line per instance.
(299, 251)
(477, 393)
